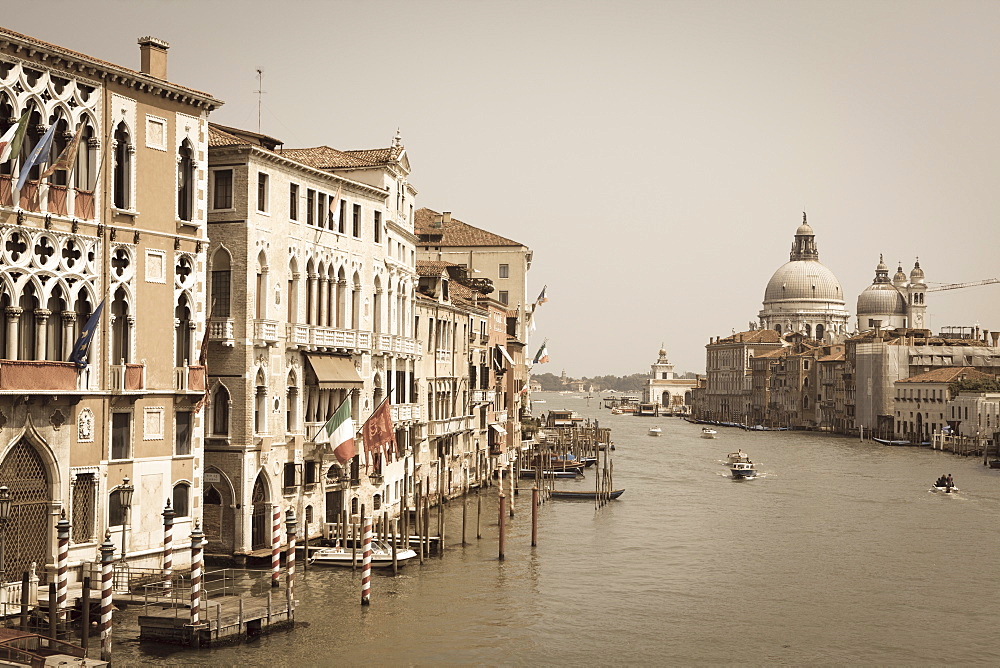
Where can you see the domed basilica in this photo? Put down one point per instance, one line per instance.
(896, 304)
(803, 295)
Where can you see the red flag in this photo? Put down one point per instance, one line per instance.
(378, 432)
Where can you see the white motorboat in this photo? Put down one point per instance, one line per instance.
(944, 490)
(735, 457)
(655, 431)
(345, 556)
(708, 432)
(743, 470)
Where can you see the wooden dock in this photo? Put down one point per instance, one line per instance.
(225, 618)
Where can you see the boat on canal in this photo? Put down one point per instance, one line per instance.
(346, 556)
(945, 489)
(743, 470)
(708, 432)
(655, 431)
(551, 473)
(583, 494)
(735, 457)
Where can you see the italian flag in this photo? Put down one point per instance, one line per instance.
(339, 431)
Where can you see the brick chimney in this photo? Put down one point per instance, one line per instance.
(446, 217)
(153, 57)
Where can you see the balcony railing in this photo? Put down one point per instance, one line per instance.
(443, 356)
(265, 331)
(483, 396)
(401, 412)
(221, 330)
(189, 378)
(37, 375)
(128, 377)
(450, 425)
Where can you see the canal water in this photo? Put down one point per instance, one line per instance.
(836, 553)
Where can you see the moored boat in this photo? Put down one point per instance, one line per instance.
(551, 473)
(583, 494)
(346, 556)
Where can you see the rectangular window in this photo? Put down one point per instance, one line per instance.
(378, 227)
(320, 208)
(356, 231)
(342, 217)
(262, 187)
(222, 189)
(182, 433)
(220, 293)
(505, 271)
(310, 206)
(293, 201)
(84, 507)
(504, 297)
(121, 435)
(291, 475)
(311, 469)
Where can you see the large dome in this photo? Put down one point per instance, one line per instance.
(881, 299)
(803, 279)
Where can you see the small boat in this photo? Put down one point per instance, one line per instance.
(994, 463)
(886, 441)
(581, 494)
(945, 489)
(742, 470)
(708, 432)
(655, 431)
(736, 457)
(346, 556)
(551, 473)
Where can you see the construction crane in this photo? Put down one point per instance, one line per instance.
(955, 286)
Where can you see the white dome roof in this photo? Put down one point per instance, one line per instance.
(803, 279)
(881, 299)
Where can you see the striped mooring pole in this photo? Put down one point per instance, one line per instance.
(196, 564)
(276, 546)
(62, 534)
(168, 549)
(290, 524)
(107, 554)
(366, 563)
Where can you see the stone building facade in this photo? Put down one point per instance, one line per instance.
(111, 243)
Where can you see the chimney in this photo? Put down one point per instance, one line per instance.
(996, 338)
(446, 217)
(153, 57)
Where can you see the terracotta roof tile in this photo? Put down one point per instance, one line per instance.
(324, 157)
(753, 336)
(455, 232)
(218, 137)
(947, 375)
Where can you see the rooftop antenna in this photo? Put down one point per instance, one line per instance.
(260, 91)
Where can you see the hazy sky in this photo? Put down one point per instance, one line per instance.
(656, 156)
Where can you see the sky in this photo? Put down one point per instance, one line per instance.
(656, 156)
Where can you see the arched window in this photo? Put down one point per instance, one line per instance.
(54, 326)
(121, 331)
(83, 172)
(221, 284)
(116, 511)
(820, 331)
(260, 405)
(181, 499)
(123, 167)
(220, 411)
(60, 140)
(182, 333)
(777, 328)
(292, 405)
(26, 324)
(185, 182)
(807, 329)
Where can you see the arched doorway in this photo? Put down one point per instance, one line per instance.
(919, 436)
(260, 533)
(218, 520)
(26, 536)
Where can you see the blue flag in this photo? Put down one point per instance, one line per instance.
(37, 156)
(81, 349)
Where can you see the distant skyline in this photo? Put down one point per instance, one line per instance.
(656, 156)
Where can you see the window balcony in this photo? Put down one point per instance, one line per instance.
(37, 375)
(443, 356)
(296, 336)
(220, 330)
(265, 332)
(483, 396)
(128, 377)
(403, 412)
(448, 426)
(189, 379)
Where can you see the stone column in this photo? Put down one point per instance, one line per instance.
(69, 330)
(13, 319)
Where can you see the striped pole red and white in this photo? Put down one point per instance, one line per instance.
(290, 524)
(107, 554)
(276, 546)
(196, 565)
(62, 534)
(366, 563)
(168, 549)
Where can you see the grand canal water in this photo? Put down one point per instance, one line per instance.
(837, 553)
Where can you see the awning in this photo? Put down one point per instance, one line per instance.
(500, 430)
(334, 372)
(506, 355)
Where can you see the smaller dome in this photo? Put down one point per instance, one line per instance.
(917, 275)
(899, 280)
(881, 265)
(881, 299)
(805, 229)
